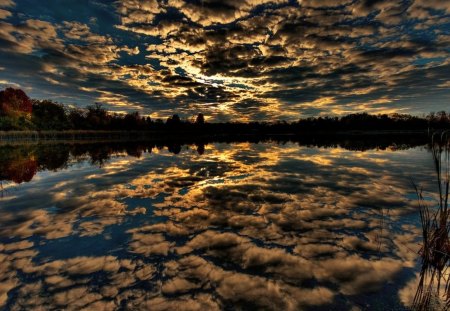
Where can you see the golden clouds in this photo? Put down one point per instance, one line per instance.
(7, 3)
(248, 59)
(4, 14)
(212, 12)
(310, 45)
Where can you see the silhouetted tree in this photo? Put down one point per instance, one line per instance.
(148, 121)
(200, 119)
(77, 118)
(133, 121)
(173, 121)
(48, 115)
(97, 116)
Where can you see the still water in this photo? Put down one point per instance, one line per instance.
(234, 226)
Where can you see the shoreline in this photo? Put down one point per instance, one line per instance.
(100, 134)
(89, 137)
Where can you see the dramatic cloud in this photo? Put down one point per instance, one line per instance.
(233, 59)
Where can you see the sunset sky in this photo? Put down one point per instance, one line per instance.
(231, 59)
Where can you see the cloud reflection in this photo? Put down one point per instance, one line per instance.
(263, 226)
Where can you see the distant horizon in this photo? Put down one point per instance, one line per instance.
(19, 112)
(192, 117)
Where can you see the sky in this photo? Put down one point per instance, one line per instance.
(245, 60)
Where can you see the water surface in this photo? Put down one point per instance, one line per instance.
(276, 226)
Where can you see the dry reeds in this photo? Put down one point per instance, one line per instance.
(434, 283)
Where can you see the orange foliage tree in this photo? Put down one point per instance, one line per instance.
(15, 102)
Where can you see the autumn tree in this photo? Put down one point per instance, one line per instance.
(14, 102)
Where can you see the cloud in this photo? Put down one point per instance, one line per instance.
(7, 3)
(248, 59)
(5, 14)
(211, 12)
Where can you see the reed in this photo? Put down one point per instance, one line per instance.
(71, 135)
(434, 283)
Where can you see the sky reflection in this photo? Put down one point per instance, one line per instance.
(265, 226)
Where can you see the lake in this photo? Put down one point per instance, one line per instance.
(274, 225)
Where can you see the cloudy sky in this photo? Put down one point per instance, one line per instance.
(231, 59)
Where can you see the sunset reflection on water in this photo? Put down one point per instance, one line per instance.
(242, 226)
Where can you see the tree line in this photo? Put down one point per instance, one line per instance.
(19, 112)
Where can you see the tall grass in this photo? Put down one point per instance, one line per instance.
(434, 282)
(72, 135)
